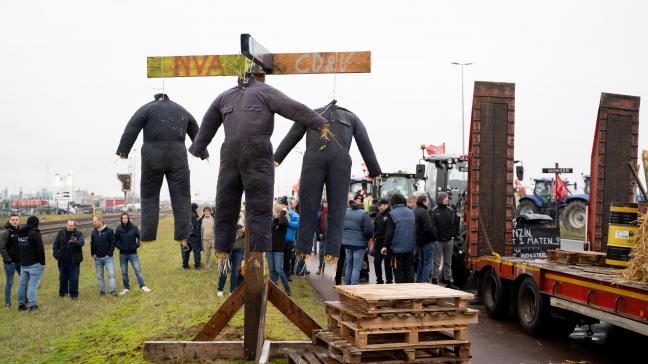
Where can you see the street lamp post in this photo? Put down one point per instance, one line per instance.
(463, 122)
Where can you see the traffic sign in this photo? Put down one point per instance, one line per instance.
(557, 170)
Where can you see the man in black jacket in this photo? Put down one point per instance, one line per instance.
(10, 254)
(425, 238)
(166, 125)
(102, 246)
(446, 223)
(32, 263)
(68, 251)
(379, 241)
(246, 112)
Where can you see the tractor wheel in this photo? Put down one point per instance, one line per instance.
(527, 207)
(494, 295)
(574, 217)
(533, 308)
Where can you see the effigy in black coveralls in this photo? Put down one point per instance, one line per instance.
(327, 162)
(247, 115)
(165, 125)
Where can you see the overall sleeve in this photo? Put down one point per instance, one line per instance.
(366, 149)
(4, 237)
(367, 227)
(111, 243)
(56, 249)
(40, 248)
(295, 134)
(283, 105)
(208, 128)
(132, 130)
(192, 131)
(389, 231)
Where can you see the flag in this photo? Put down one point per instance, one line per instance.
(435, 149)
(561, 189)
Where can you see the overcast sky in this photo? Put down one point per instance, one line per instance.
(73, 72)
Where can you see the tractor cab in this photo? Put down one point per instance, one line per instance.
(445, 173)
(390, 183)
(360, 184)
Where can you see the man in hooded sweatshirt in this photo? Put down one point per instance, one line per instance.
(32, 263)
(102, 246)
(127, 240)
(10, 254)
(68, 251)
(355, 239)
(446, 224)
(400, 238)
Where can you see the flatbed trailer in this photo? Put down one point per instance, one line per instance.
(570, 292)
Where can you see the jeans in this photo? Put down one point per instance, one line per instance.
(289, 257)
(403, 270)
(107, 262)
(30, 278)
(352, 265)
(426, 262)
(69, 279)
(10, 270)
(194, 246)
(275, 267)
(443, 250)
(123, 265)
(381, 261)
(236, 257)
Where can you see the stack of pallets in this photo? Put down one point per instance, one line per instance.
(398, 323)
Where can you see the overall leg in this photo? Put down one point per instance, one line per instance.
(337, 193)
(310, 196)
(257, 174)
(64, 279)
(35, 274)
(110, 265)
(179, 190)
(270, 257)
(228, 197)
(99, 267)
(75, 270)
(235, 258)
(447, 261)
(123, 266)
(134, 258)
(150, 184)
(22, 286)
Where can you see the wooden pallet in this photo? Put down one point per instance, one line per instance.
(436, 315)
(402, 297)
(310, 358)
(341, 350)
(577, 257)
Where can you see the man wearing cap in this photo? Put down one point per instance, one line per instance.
(379, 242)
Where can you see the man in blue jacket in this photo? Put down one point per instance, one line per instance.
(400, 238)
(68, 251)
(355, 239)
(102, 246)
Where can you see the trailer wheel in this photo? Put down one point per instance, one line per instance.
(493, 295)
(533, 308)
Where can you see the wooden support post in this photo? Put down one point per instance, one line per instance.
(220, 319)
(291, 310)
(254, 299)
(261, 329)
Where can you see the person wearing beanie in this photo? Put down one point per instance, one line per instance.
(194, 243)
(446, 224)
(32, 263)
(400, 238)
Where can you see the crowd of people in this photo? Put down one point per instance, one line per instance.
(23, 253)
(409, 240)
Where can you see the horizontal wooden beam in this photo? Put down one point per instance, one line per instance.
(158, 351)
(282, 64)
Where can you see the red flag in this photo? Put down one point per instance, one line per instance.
(435, 149)
(561, 189)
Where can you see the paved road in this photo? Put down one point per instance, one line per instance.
(503, 342)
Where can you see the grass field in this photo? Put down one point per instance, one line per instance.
(97, 329)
